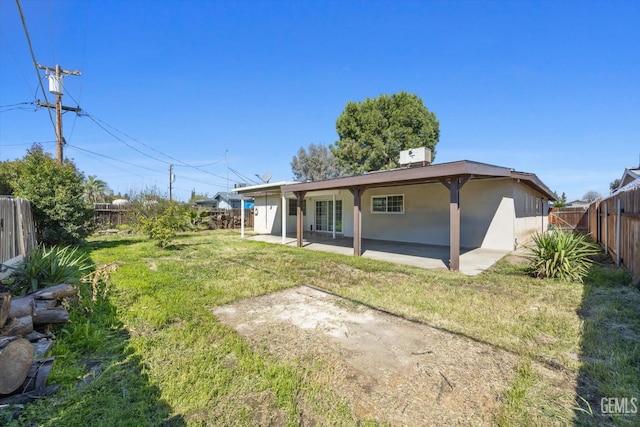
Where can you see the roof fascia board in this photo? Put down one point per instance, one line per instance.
(534, 182)
(275, 187)
(405, 176)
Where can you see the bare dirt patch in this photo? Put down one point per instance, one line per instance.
(390, 369)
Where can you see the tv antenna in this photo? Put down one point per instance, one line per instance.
(265, 178)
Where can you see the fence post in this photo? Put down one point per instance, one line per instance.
(619, 232)
(606, 228)
(598, 224)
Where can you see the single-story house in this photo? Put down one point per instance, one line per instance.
(630, 175)
(205, 203)
(459, 204)
(578, 204)
(228, 200)
(225, 200)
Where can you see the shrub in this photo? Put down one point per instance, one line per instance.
(55, 192)
(196, 219)
(162, 223)
(49, 267)
(561, 255)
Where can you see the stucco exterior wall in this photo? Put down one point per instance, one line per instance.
(486, 218)
(494, 213)
(267, 219)
(425, 218)
(531, 213)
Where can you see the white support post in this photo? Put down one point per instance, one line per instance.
(284, 217)
(334, 216)
(242, 216)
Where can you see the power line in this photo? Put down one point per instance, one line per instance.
(103, 125)
(33, 58)
(27, 143)
(117, 160)
(181, 163)
(94, 156)
(52, 38)
(97, 122)
(138, 166)
(18, 106)
(239, 175)
(209, 164)
(24, 78)
(84, 51)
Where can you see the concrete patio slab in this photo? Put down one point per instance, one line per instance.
(472, 261)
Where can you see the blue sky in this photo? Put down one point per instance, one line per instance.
(549, 87)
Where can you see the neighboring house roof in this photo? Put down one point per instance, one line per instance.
(205, 202)
(629, 176)
(578, 203)
(631, 185)
(630, 179)
(432, 173)
(232, 197)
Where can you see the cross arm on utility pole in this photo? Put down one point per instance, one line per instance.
(60, 70)
(57, 89)
(64, 108)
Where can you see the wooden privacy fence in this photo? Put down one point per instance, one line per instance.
(17, 232)
(615, 224)
(109, 215)
(571, 218)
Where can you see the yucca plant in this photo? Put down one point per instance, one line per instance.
(47, 267)
(560, 254)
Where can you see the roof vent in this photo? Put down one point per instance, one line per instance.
(415, 157)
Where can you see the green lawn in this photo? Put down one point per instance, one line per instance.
(148, 351)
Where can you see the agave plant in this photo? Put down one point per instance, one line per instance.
(561, 254)
(47, 267)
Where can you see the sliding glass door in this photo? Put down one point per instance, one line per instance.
(324, 215)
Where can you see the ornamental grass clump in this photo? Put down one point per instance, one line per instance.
(48, 267)
(562, 255)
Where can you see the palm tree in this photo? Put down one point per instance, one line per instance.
(96, 190)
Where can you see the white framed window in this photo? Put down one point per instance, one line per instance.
(293, 207)
(388, 204)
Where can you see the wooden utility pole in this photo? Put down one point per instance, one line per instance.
(170, 182)
(57, 90)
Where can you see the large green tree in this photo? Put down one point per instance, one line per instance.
(613, 185)
(96, 190)
(373, 132)
(8, 174)
(56, 195)
(314, 163)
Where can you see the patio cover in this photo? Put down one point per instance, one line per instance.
(452, 175)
